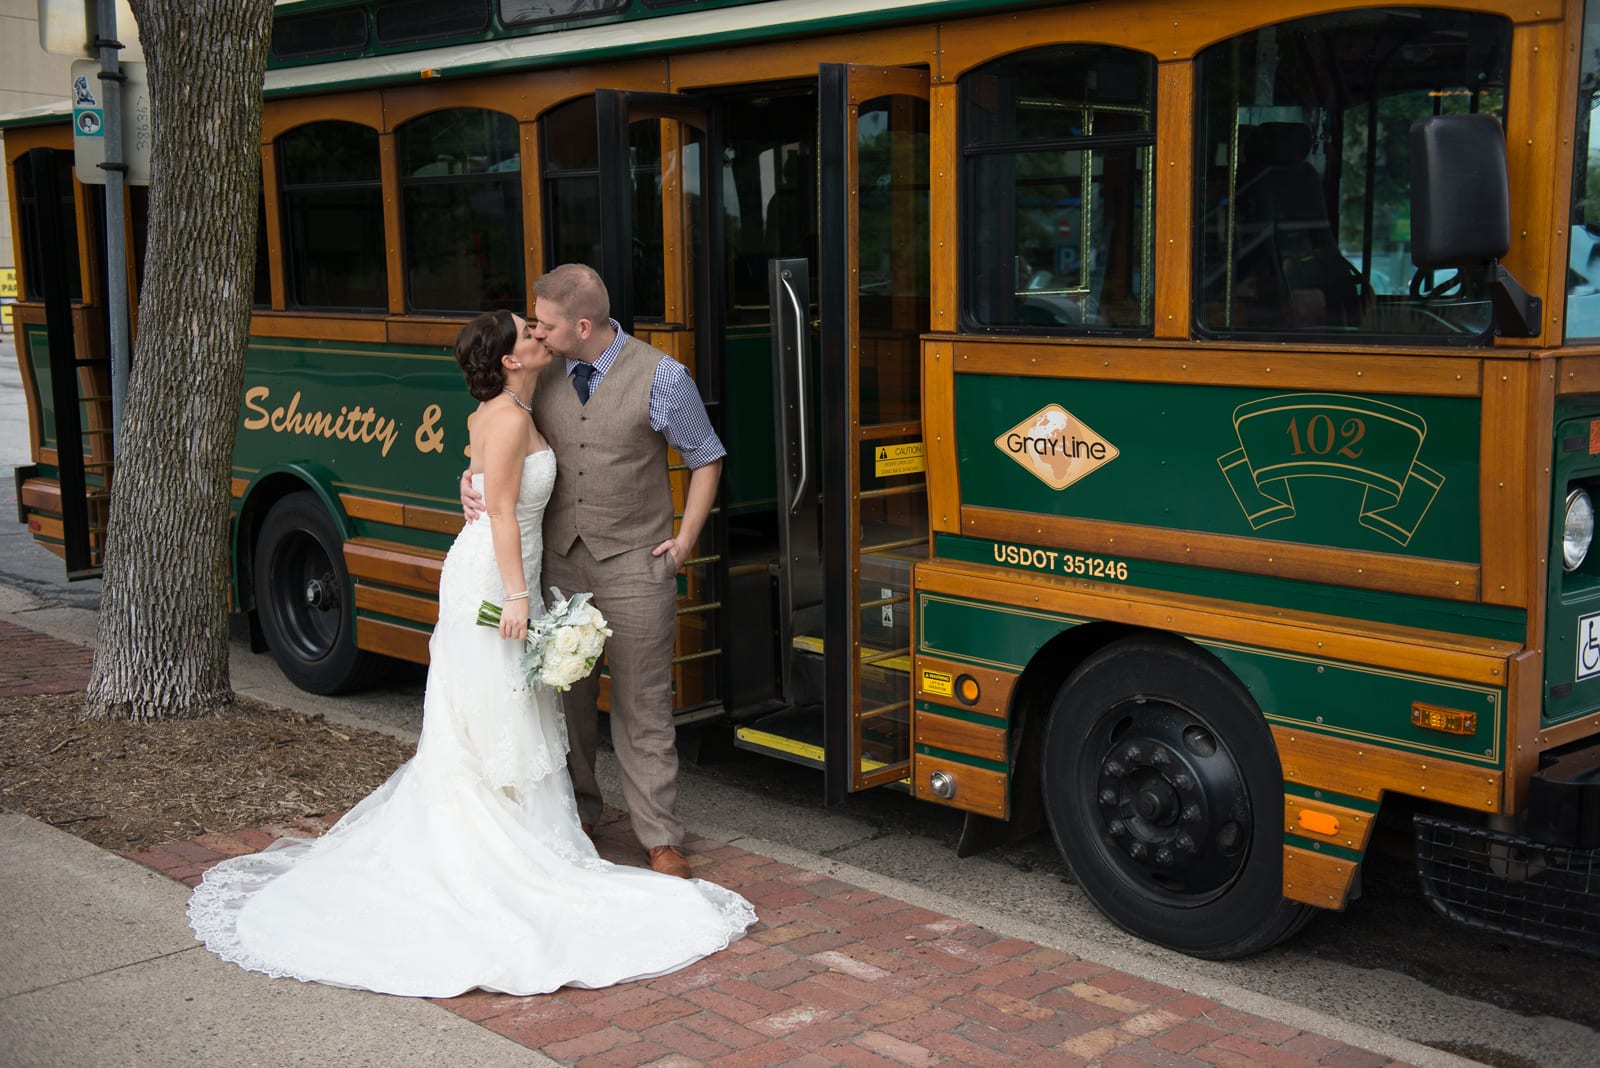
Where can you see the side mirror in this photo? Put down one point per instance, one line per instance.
(1460, 195)
(1461, 210)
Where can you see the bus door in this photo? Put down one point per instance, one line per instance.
(75, 435)
(851, 495)
(657, 231)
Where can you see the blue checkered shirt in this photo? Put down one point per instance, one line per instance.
(676, 411)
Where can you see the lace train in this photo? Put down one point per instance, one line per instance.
(468, 867)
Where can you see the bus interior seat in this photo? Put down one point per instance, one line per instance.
(1288, 257)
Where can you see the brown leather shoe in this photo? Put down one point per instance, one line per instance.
(669, 860)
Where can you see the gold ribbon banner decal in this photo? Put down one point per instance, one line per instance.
(1331, 436)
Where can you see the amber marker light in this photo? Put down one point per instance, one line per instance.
(1322, 823)
(967, 689)
(1444, 720)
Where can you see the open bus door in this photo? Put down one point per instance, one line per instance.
(684, 190)
(852, 500)
(76, 437)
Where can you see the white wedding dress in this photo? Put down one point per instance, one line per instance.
(468, 868)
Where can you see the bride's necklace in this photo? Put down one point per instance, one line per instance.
(517, 400)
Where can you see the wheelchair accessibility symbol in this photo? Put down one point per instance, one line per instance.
(1589, 646)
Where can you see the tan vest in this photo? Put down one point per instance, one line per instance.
(611, 468)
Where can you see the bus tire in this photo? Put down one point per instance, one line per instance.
(1164, 792)
(304, 597)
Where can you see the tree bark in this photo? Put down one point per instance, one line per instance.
(162, 639)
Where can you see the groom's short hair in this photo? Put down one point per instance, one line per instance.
(578, 290)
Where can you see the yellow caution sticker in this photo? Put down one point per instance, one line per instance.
(902, 459)
(938, 683)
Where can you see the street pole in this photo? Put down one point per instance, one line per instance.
(111, 79)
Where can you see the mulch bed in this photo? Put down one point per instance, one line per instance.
(127, 786)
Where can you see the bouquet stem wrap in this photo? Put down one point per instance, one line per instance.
(564, 644)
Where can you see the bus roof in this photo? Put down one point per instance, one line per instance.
(39, 115)
(673, 31)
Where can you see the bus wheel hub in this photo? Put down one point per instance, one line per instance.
(1167, 795)
(319, 594)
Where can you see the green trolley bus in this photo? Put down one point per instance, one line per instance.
(1176, 423)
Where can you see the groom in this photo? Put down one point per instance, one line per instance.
(610, 405)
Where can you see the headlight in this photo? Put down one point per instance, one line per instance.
(1577, 529)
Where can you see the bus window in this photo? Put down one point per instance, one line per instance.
(1303, 172)
(410, 21)
(333, 217)
(1057, 192)
(892, 257)
(461, 207)
(27, 201)
(321, 34)
(573, 219)
(528, 12)
(571, 183)
(1583, 263)
(769, 194)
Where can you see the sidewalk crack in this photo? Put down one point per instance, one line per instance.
(103, 971)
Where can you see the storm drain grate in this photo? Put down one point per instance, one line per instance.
(1510, 885)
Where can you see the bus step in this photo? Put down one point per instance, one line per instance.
(887, 659)
(794, 734)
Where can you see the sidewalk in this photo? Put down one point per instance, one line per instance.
(101, 969)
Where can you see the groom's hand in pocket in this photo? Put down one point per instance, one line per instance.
(678, 550)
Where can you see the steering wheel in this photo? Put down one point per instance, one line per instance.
(1420, 290)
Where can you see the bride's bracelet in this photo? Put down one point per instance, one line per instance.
(523, 596)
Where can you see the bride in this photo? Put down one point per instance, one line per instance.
(469, 868)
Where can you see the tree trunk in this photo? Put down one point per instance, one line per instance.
(162, 641)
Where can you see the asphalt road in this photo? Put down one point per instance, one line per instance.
(1389, 962)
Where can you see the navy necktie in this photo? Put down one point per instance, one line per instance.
(580, 380)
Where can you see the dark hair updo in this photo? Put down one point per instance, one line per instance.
(479, 347)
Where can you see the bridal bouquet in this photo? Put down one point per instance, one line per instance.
(564, 644)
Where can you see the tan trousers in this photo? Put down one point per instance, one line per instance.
(637, 593)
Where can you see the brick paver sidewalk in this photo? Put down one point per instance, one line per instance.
(32, 663)
(833, 974)
(838, 975)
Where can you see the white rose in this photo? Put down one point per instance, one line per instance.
(563, 670)
(565, 640)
